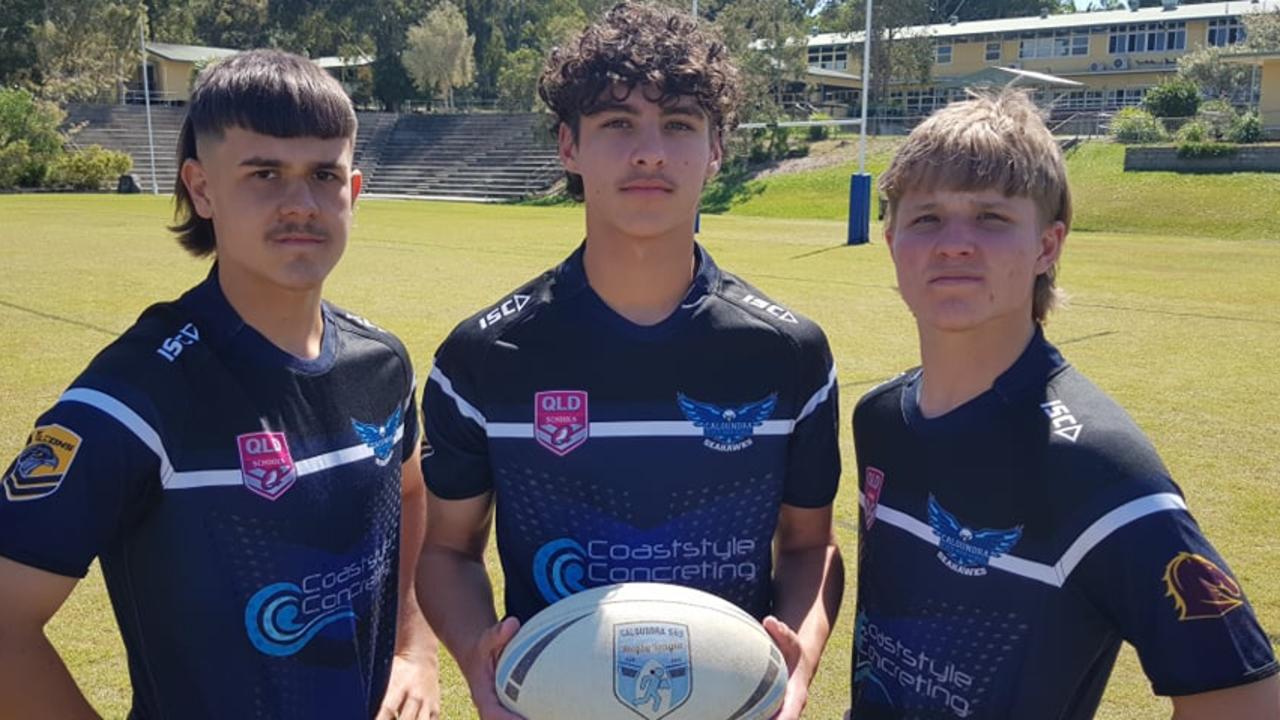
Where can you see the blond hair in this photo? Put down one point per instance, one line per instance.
(991, 140)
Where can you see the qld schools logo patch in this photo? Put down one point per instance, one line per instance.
(560, 422)
(265, 463)
(965, 550)
(871, 495)
(1199, 588)
(381, 439)
(727, 429)
(652, 675)
(42, 464)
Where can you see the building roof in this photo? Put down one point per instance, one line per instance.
(1069, 21)
(188, 53)
(333, 61)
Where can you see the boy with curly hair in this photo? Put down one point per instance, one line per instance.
(1017, 524)
(635, 413)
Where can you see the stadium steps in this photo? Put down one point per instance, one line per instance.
(483, 157)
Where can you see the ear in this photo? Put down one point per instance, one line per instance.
(357, 183)
(568, 147)
(197, 182)
(888, 236)
(1052, 240)
(716, 158)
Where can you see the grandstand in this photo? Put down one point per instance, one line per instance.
(480, 157)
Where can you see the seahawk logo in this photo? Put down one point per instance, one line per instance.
(380, 438)
(727, 429)
(965, 550)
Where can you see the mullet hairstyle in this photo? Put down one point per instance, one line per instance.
(992, 140)
(263, 91)
(666, 52)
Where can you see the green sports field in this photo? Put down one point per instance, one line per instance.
(1184, 331)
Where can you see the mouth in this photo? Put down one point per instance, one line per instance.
(297, 239)
(648, 187)
(955, 280)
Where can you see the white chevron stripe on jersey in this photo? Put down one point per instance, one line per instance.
(819, 397)
(172, 479)
(1056, 574)
(464, 407)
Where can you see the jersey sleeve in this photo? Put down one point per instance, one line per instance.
(1173, 597)
(455, 455)
(76, 485)
(411, 425)
(813, 464)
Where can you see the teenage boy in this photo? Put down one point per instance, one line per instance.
(241, 459)
(1016, 524)
(635, 413)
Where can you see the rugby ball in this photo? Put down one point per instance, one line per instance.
(642, 650)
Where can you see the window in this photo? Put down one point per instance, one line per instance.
(1225, 31)
(829, 57)
(1148, 37)
(942, 54)
(993, 50)
(1053, 44)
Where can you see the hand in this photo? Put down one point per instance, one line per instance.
(413, 693)
(797, 694)
(482, 666)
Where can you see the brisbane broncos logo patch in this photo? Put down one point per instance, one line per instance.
(1199, 588)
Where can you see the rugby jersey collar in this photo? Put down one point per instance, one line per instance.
(1029, 373)
(571, 280)
(219, 322)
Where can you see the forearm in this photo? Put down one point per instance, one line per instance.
(34, 682)
(808, 585)
(413, 634)
(457, 598)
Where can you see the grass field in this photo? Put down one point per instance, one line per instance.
(1181, 329)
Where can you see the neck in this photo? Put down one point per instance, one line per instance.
(290, 319)
(959, 366)
(641, 279)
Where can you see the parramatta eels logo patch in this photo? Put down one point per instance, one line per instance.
(727, 429)
(42, 464)
(652, 675)
(1199, 588)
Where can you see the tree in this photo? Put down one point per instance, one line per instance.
(1262, 31)
(440, 53)
(1215, 77)
(518, 80)
(29, 137)
(767, 38)
(900, 52)
(1175, 98)
(17, 48)
(87, 49)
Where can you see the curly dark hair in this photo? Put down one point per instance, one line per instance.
(638, 44)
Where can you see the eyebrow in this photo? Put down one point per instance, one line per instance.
(934, 205)
(265, 162)
(626, 108)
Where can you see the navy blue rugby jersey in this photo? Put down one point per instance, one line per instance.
(618, 452)
(1010, 545)
(245, 506)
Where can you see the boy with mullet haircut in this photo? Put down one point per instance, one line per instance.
(1016, 524)
(244, 459)
(635, 413)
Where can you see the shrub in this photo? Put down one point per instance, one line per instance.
(1193, 132)
(92, 168)
(1176, 98)
(1136, 126)
(15, 164)
(1206, 150)
(1246, 129)
(1218, 116)
(819, 132)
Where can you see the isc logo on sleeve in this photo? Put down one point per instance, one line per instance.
(42, 464)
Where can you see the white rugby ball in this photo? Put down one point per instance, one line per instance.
(647, 650)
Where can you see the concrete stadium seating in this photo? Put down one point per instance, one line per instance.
(480, 157)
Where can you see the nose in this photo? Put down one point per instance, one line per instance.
(299, 200)
(957, 240)
(649, 151)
